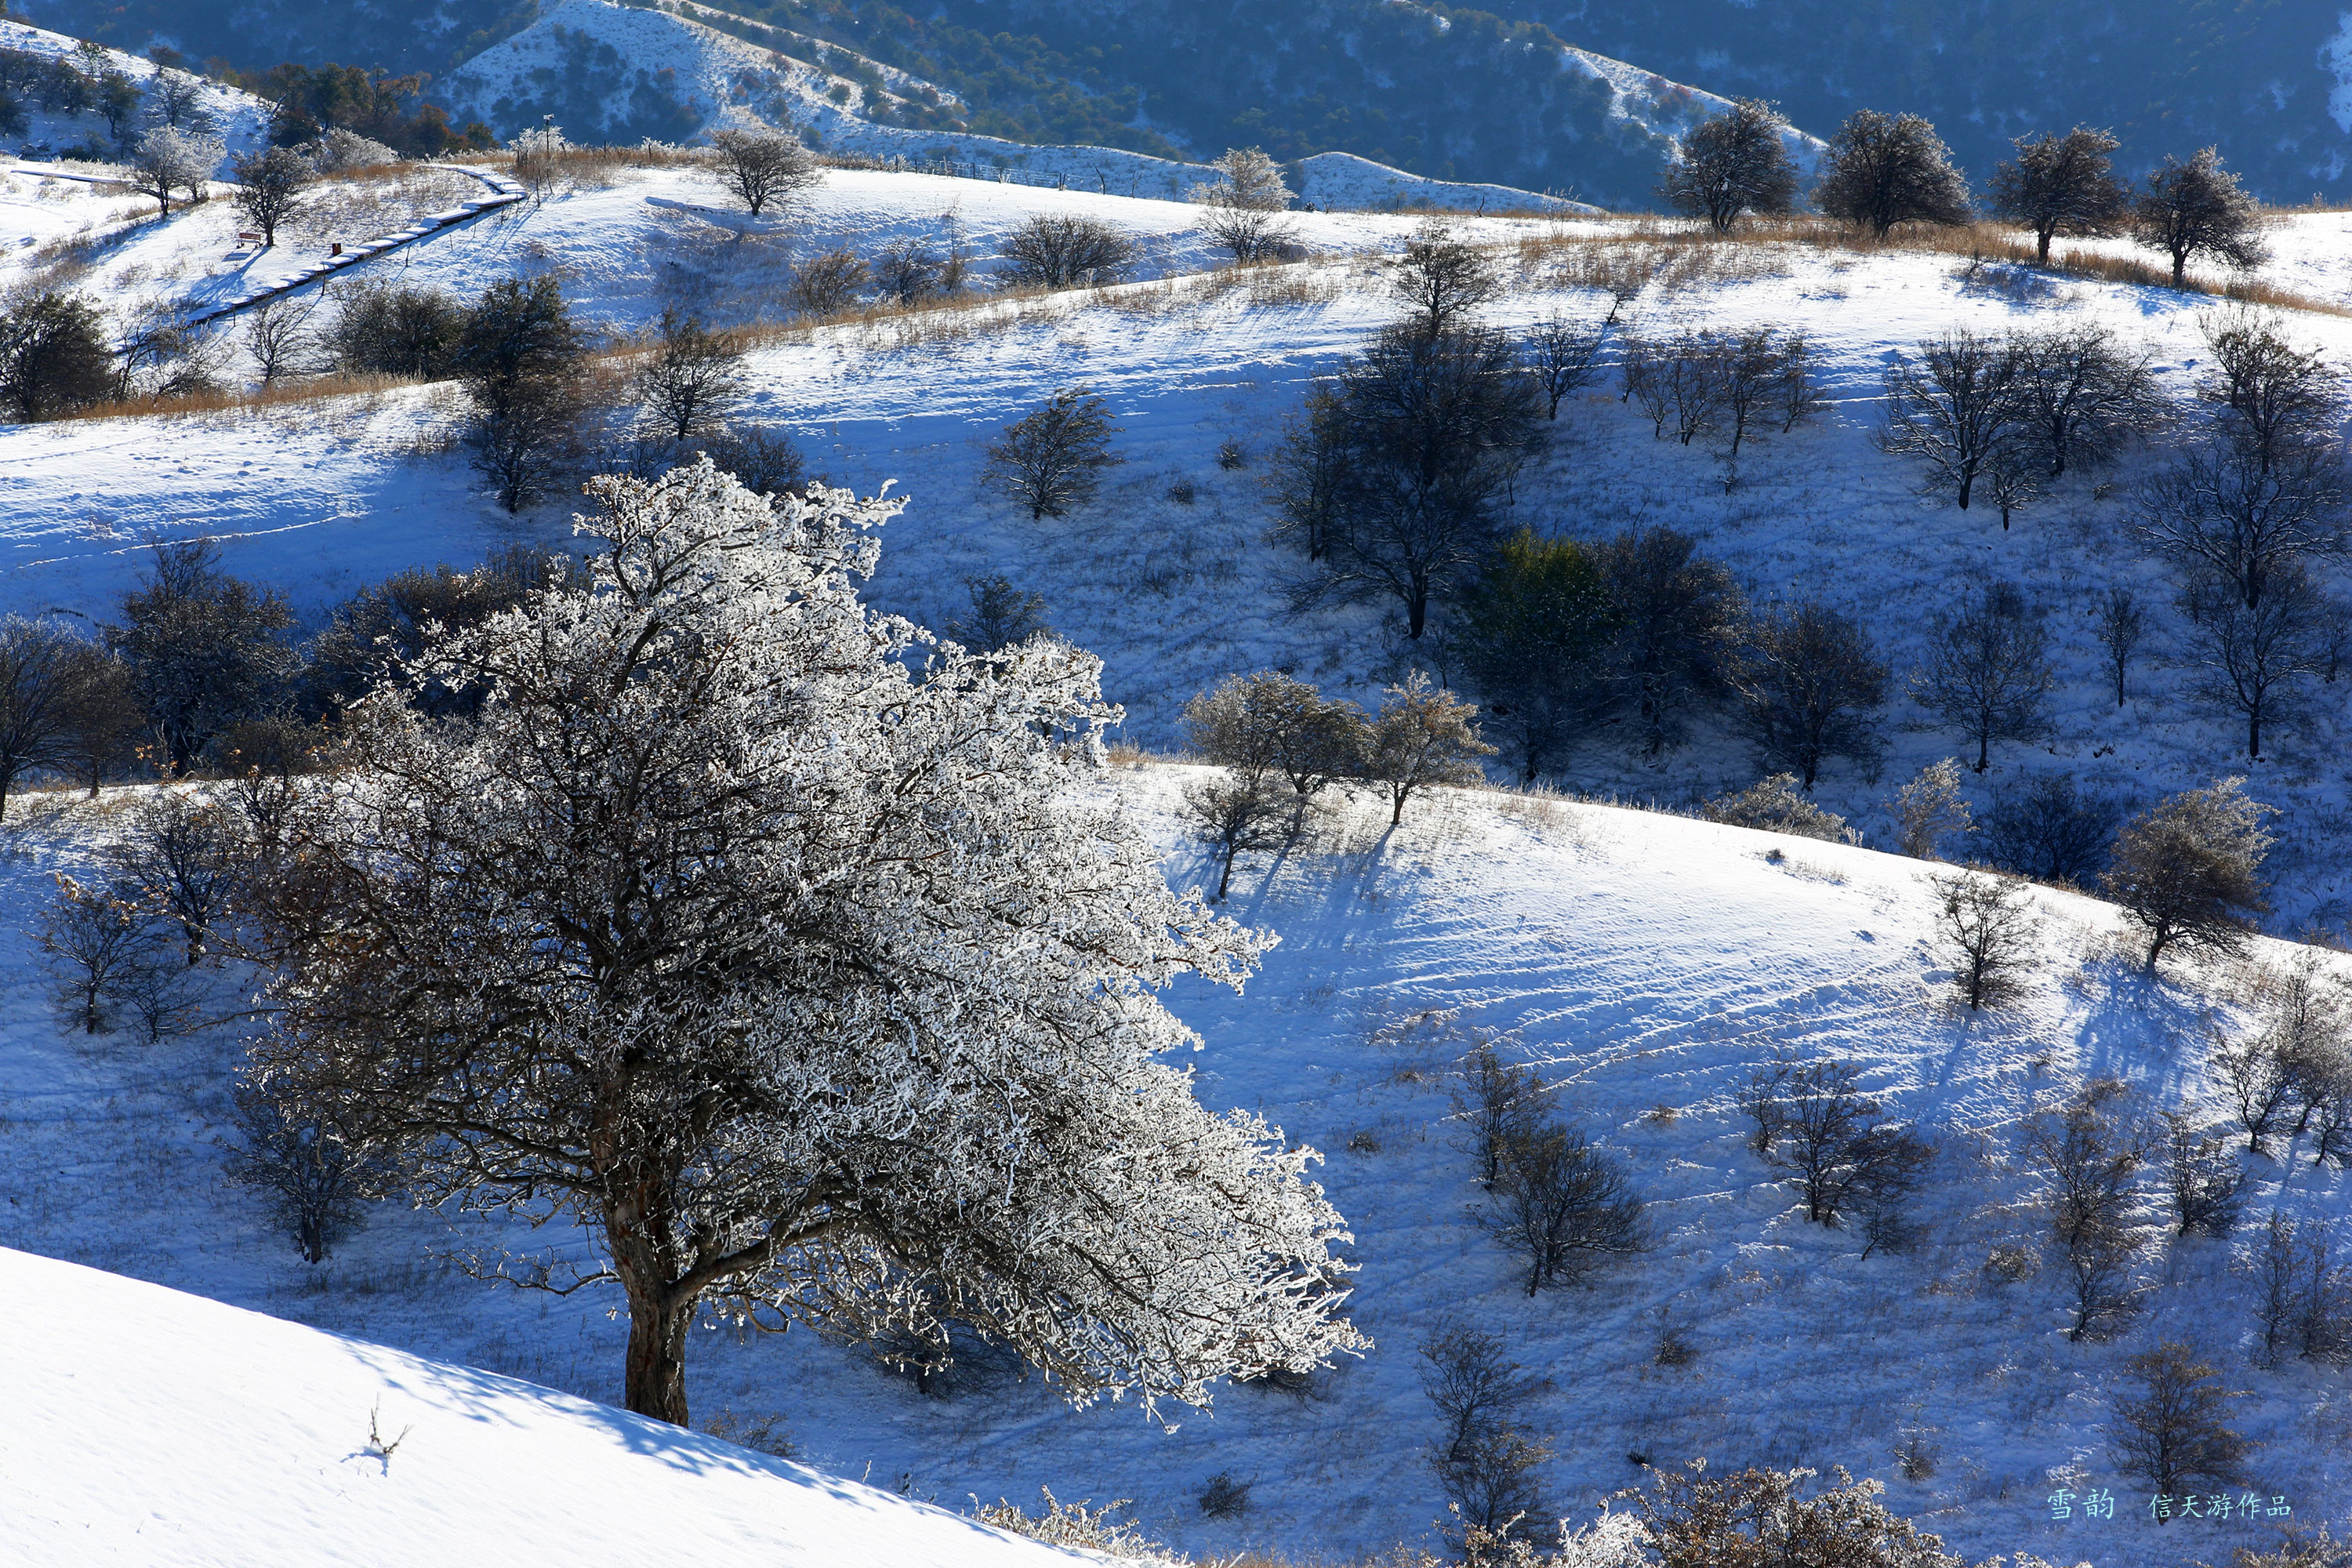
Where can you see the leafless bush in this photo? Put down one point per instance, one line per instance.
(1062, 250)
(1224, 1497)
(1001, 615)
(1929, 809)
(2092, 1152)
(2204, 1181)
(761, 167)
(2175, 1428)
(1986, 931)
(1485, 1459)
(317, 1182)
(909, 269)
(1070, 1524)
(827, 283)
(1773, 805)
(1758, 1516)
(762, 1433)
(1497, 1103)
(182, 856)
(1562, 1205)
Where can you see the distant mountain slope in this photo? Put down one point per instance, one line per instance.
(240, 118)
(1452, 95)
(2266, 80)
(618, 73)
(152, 1427)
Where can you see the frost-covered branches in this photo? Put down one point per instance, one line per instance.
(1421, 736)
(2198, 208)
(2060, 184)
(168, 159)
(797, 972)
(2187, 870)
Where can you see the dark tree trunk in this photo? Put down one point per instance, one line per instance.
(2042, 248)
(656, 1382)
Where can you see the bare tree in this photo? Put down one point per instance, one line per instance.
(2226, 507)
(827, 282)
(1421, 736)
(2197, 208)
(1485, 1459)
(1955, 406)
(269, 186)
(762, 167)
(1930, 810)
(1061, 250)
(694, 378)
(40, 663)
(2204, 1181)
(1809, 685)
(1002, 616)
(1498, 1103)
(1756, 369)
(1882, 170)
(2092, 1152)
(1244, 207)
(1813, 1122)
(2252, 658)
(2080, 397)
(1677, 621)
(712, 972)
(317, 1185)
(105, 722)
(2175, 1428)
(1269, 724)
(175, 98)
(1734, 163)
(2120, 626)
(2270, 398)
(169, 160)
(203, 650)
(2187, 870)
(1235, 817)
(2305, 1303)
(1985, 929)
(184, 857)
(1442, 279)
(1564, 356)
(1423, 436)
(1563, 1205)
(1052, 459)
(1988, 674)
(96, 939)
(278, 334)
(2062, 184)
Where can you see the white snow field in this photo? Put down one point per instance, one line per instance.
(153, 1428)
(1643, 963)
(320, 498)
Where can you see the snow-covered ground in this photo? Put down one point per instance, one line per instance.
(1646, 959)
(238, 118)
(1644, 962)
(1176, 593)
(154, 1428)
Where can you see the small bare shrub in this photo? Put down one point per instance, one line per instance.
(2008, 1263)
(1486, 1461)
(1224, 1497)
(2176, 1430)
(1986, 932)
(1070, 1524)
(1054, 459)
(761, 1434)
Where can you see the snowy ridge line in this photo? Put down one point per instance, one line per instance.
(505, 194)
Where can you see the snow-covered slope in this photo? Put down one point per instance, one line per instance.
(153, 1430)
(240, 119)
(613, 72)
(1642, 963)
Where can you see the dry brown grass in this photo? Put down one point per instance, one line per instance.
(224, 400)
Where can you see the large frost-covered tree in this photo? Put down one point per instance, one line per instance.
(794, 969)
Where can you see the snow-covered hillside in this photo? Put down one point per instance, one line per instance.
(611, 72)
(1642, 963)
(157, 1429)
(322, 499)
(238, 118)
